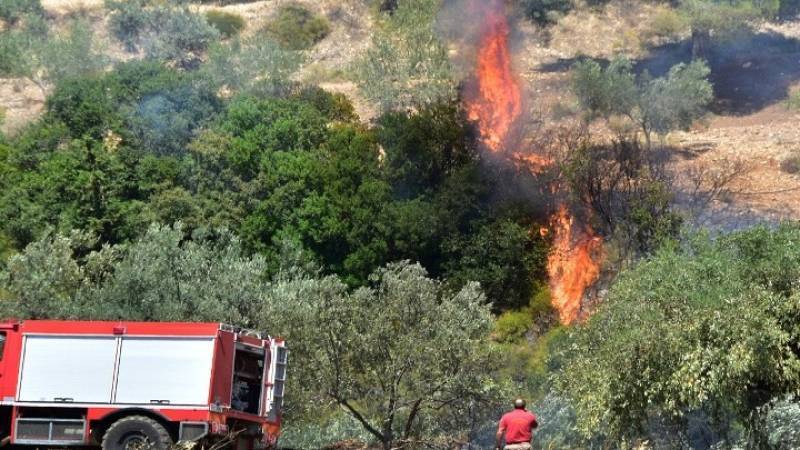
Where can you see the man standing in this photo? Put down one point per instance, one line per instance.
(517, 426)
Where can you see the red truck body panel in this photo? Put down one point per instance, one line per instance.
(228, 373)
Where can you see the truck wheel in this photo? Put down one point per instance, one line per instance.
(136, 433)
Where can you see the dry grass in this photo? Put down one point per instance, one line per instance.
(22, 102)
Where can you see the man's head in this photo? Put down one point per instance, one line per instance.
(519, 403)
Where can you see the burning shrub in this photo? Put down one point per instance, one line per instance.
(297, 28)
(627, 189)
(228, 24)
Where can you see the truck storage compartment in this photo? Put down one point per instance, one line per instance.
(163, 370)
(34, 430)
(67, 369)
(248, 376)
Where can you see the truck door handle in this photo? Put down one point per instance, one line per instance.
(159, 402)
(64, 399)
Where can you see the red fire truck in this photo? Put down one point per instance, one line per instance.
(133, 385)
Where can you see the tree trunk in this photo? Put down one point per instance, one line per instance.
(700, 40)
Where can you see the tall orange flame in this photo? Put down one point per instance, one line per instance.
(498, 102)
(572, 265)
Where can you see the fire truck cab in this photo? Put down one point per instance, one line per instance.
(125, 385)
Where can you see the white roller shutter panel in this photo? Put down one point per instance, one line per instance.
(176, 371)
(79, 369)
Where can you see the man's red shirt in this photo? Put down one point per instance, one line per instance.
(518, 425)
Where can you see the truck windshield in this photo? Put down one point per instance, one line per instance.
(248, 370)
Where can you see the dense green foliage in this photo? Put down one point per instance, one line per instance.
(399, 334)
(297, 28)
(146, 143)
(707, 326)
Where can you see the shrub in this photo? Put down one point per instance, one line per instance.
(127, 21)
(166, 32)
(793, 102)
(297, 28)
(792, 163)
(11, 55)
(228, 24)
(511, 326)
(178, 35)
(666, 23)
(545, 12)
(13, 10)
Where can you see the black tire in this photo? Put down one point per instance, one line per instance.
(136, 433)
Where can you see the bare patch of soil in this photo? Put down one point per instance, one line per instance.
(752, 133)
(22, 102)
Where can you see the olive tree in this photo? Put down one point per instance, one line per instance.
(161, 276)
(709, 326)
(45, 58)
(254, 64)
(653, 105)
(407, 63)
(392, 354)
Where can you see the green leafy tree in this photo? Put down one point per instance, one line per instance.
(391, 354)
(503, 257)
(676, 335)
(161, 276)
(179, 36)
(657, 105)
(44, 280)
